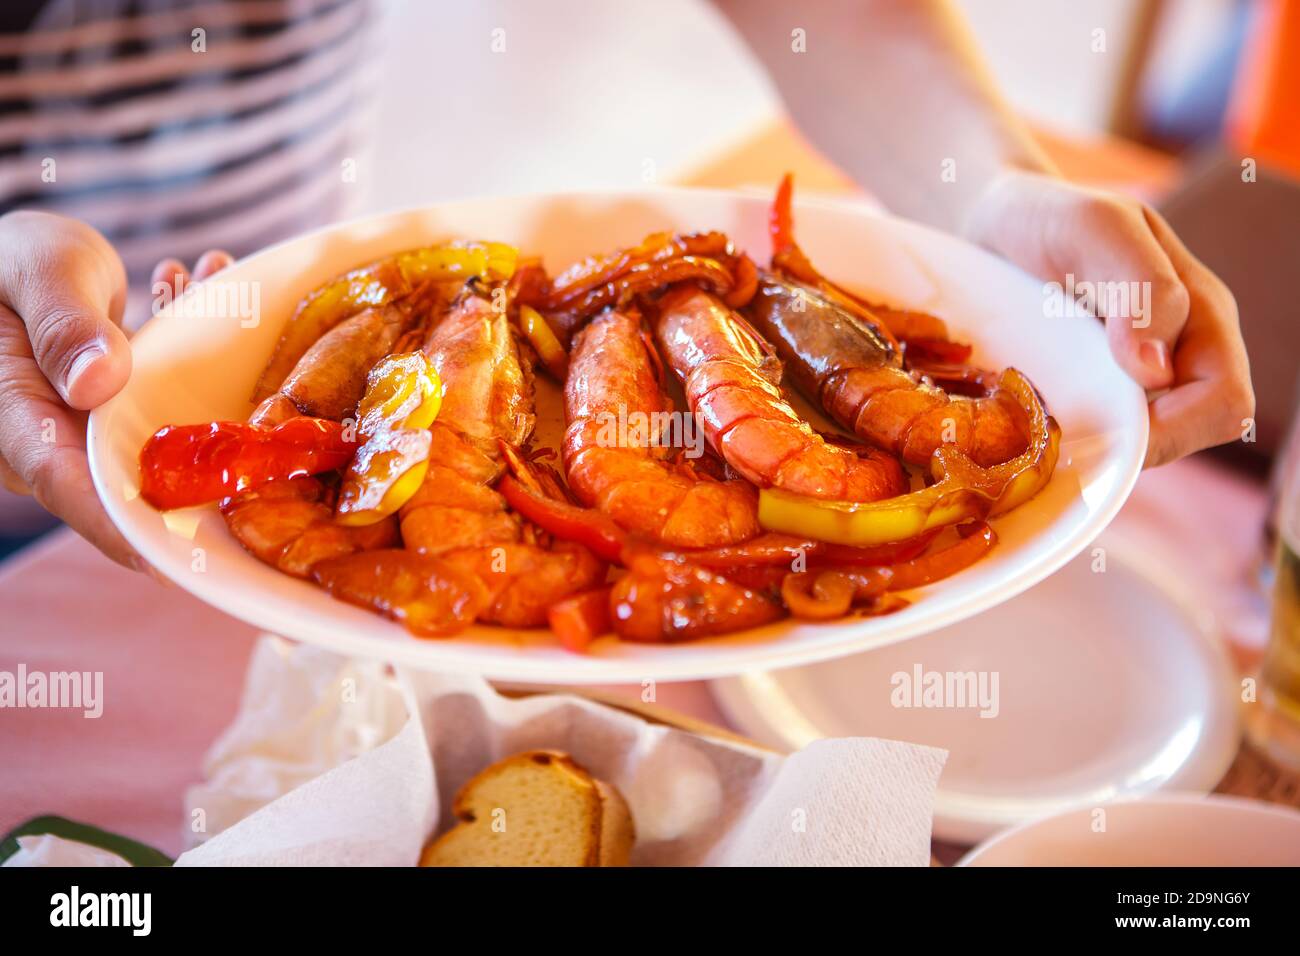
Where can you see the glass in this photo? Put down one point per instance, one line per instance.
(1273, 722)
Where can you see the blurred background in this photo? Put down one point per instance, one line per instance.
(1173, 101)
(1162, 99)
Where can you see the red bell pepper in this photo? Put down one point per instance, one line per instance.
(596, 531)
(976, 540)
(185, 465)
(781, 549)
(580, 619)
(780, 221)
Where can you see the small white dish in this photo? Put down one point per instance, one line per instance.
(199, 364)
(1165, 830)
(1102, 685)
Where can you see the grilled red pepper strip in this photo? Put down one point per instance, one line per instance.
(977, 538)
(935, 351)
(597, 531)
(825, 595)
(780, 221)
(897, 325)
(579, 620)
(781, 549)
(185, 465)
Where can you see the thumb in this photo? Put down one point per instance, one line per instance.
(69, 293)
(83, 354)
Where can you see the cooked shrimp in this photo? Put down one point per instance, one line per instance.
(466, 556)
(664, 600)
(661, 259)
(731, 382)
(846, 365)
(432, 273)
(330, 378)
(612, 378)
(290, 525)
(456, 515)
(486, 396)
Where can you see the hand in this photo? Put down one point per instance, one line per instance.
(1185, 347)
(62, 353)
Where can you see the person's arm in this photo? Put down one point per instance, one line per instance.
(895, 94)
(62, 353)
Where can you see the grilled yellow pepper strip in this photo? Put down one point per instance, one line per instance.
(403, 396)
(962, 491)
(378, 284)
(494, 261)
(385, 472)
(544, 342)
(402, 391)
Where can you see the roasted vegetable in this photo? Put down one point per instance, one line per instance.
(403, 395)
(962, 491)
(379, 283)
(186, 465)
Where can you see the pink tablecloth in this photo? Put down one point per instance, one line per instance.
(173, 667)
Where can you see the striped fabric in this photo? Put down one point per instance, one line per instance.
(174, 126)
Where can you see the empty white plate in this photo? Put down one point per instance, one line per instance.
(1164, 830)
(198, 363)
(1098, 685)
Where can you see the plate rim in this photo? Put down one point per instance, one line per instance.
(1218, 747)
(1175, 798)
(588, 669)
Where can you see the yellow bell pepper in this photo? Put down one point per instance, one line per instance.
(544, 342)
(402, 391)
(377, 284)
(386, 471)
(494, 261)
(403, 396)
(962, 491)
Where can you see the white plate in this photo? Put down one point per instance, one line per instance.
(1164, 830)
(1108, 685)
(192, 369)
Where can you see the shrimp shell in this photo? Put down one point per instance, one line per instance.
(842, 362)
(612, 378)
(731, 381)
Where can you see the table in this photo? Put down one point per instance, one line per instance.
(173, 667)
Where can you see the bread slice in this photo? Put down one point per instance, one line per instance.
(537, 808)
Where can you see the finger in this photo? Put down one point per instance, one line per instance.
(68, 287)
(1203, 286)
(44, 443)
(167, 283)
(1212, 400)
(212, 261)
(1188, 419)
(169, 278)
(1141, 297)
(11, 480)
